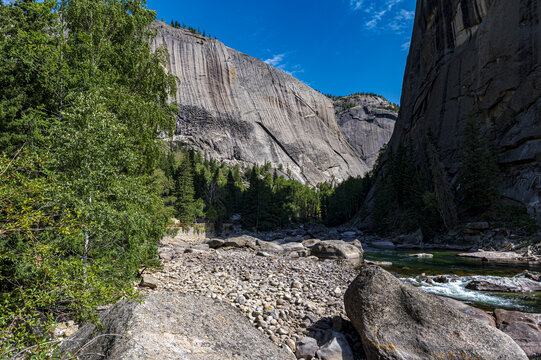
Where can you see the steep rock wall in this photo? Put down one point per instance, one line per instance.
(238, 109)
(478, 59)
(367, 122)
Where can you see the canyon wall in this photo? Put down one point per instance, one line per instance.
(477, 59)
(238, 109)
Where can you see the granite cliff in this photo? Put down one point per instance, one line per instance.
(238, 109)
(367, 121)
(477, 59)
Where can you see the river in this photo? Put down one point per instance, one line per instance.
(461, 271)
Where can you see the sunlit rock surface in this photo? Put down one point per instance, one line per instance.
(238, 109)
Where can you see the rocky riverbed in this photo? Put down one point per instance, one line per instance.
(284, 296)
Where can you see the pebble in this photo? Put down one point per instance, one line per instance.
(267, 289)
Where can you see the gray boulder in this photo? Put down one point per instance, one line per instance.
(524, 328)
(336, 249)
(306, 348)
(215, 243)
(268, 245)
(470, 311)
(148, 281)
(514, 285)
(172, 326)
(293, 246)
(241, 242)
(398, 321)
(335, 349)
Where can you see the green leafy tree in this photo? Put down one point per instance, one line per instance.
(90, 98)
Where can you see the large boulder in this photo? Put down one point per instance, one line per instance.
(336, 249)
(504, 256)
(397, 321)
(172, 326)
(241, 242)
(503, 284)
(524, 328)
(470, 311)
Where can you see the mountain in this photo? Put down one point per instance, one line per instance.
(481, 60)
(367, 121)
(236, 108)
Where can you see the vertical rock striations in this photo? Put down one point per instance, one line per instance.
(367, 121)
(241, 110)
(477, 59)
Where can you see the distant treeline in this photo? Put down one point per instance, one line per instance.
(199, 188)
(342, 101)
(178, 25)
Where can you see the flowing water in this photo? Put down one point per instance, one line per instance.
(460, 271)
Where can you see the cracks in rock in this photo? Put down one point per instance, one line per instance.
(277, 142)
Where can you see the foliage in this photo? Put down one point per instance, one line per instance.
(477, 173)
(344, 105)
(403, 199)
(82, 103)
(178, 25)
(264, 199)
(345, 200)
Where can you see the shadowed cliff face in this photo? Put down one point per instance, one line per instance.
(478, 59)
(241, 110)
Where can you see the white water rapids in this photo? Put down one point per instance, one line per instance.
(456, 289)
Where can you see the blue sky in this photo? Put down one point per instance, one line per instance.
(334, 46)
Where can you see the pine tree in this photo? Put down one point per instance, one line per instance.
(184, 192)
(477, 173)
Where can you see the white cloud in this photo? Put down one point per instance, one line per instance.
(278, 62)
(275, 60)
(406, 46)
(356, 4)
(385, 15)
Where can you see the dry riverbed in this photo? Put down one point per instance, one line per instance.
(286, 298)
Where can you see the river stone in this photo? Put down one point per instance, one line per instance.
(240, 242)
(306, 348)
(268, 245)
(310, 243)
(494, 255)
(173, 326)
(336, 249)
(337, 348)
(524, 328)
(503, 284)
(410, 241)
(148, 281)
(167, 255)
(379, 263)
(215, 243)
(397, 321)
(421, 255)
(293, 246)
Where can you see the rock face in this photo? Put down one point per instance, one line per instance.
(367, 121)
(398, 321)
(524, 328)
(477, 59)
(239, 109)
(502, 284)
(169, 326)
